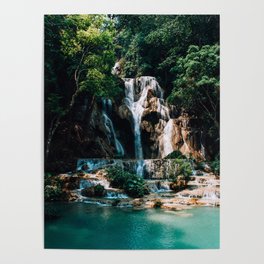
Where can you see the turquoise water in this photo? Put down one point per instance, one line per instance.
(86, 226)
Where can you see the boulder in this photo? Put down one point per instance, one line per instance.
(94, 191)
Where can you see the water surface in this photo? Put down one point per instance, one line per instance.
(86, 226)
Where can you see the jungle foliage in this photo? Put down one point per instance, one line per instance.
(181, 51)
(132, 184)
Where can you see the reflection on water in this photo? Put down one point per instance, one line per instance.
(85, 226)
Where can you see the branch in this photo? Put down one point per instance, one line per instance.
(210, 99)
(210, 115)
(76, 73)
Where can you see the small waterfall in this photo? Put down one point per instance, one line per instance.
(93, 182)
(140, 167)
(202, 146)
(89, 165)
(111, 135)
(167, 138)
(211, 194)
(162, 109)
(110, 194)
(158, 186)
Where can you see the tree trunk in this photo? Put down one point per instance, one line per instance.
(53, 127)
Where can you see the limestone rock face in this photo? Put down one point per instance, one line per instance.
(163, 134)
(162, 128)
(124, 112)
(140, 125)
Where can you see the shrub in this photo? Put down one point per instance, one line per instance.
(53, 193)
(54, 181)
(215, 165)
(132, 184)
(117, 176)
(199, 166)
(182, 175)
(94, 191)
(175, 155)
(99, 190)
(185, 170)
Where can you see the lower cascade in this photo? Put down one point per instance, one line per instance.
(203, 188)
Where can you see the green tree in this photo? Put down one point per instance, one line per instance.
(197, 87)
(79, 55)
(151, 44)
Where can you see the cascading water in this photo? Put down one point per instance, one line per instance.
(137, 110)
(111, 135)
(146, 84)
(136, 107)
(140, 167)
(162, 109)
(167, 138)
(202, 146)
(92, 164)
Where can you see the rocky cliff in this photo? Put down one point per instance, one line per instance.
(142, 125)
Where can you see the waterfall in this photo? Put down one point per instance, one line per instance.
(202, 146)
(162, 109)
(167, 138)
(140, 167)
(89, 165)
(146, 84)
(136, 109)
(111, 135)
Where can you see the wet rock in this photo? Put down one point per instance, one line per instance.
(94, 191)
(138, 202)
(124, 112)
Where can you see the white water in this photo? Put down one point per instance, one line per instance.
(202, 146)
(167, 138)
(137, 110)
(115, 195)
(148, 84)
(211, 195)
(111, 134)
(157, 186)
(86, 183)
(162, 109)
(140, 167)
(92, 164)
(137, 107)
